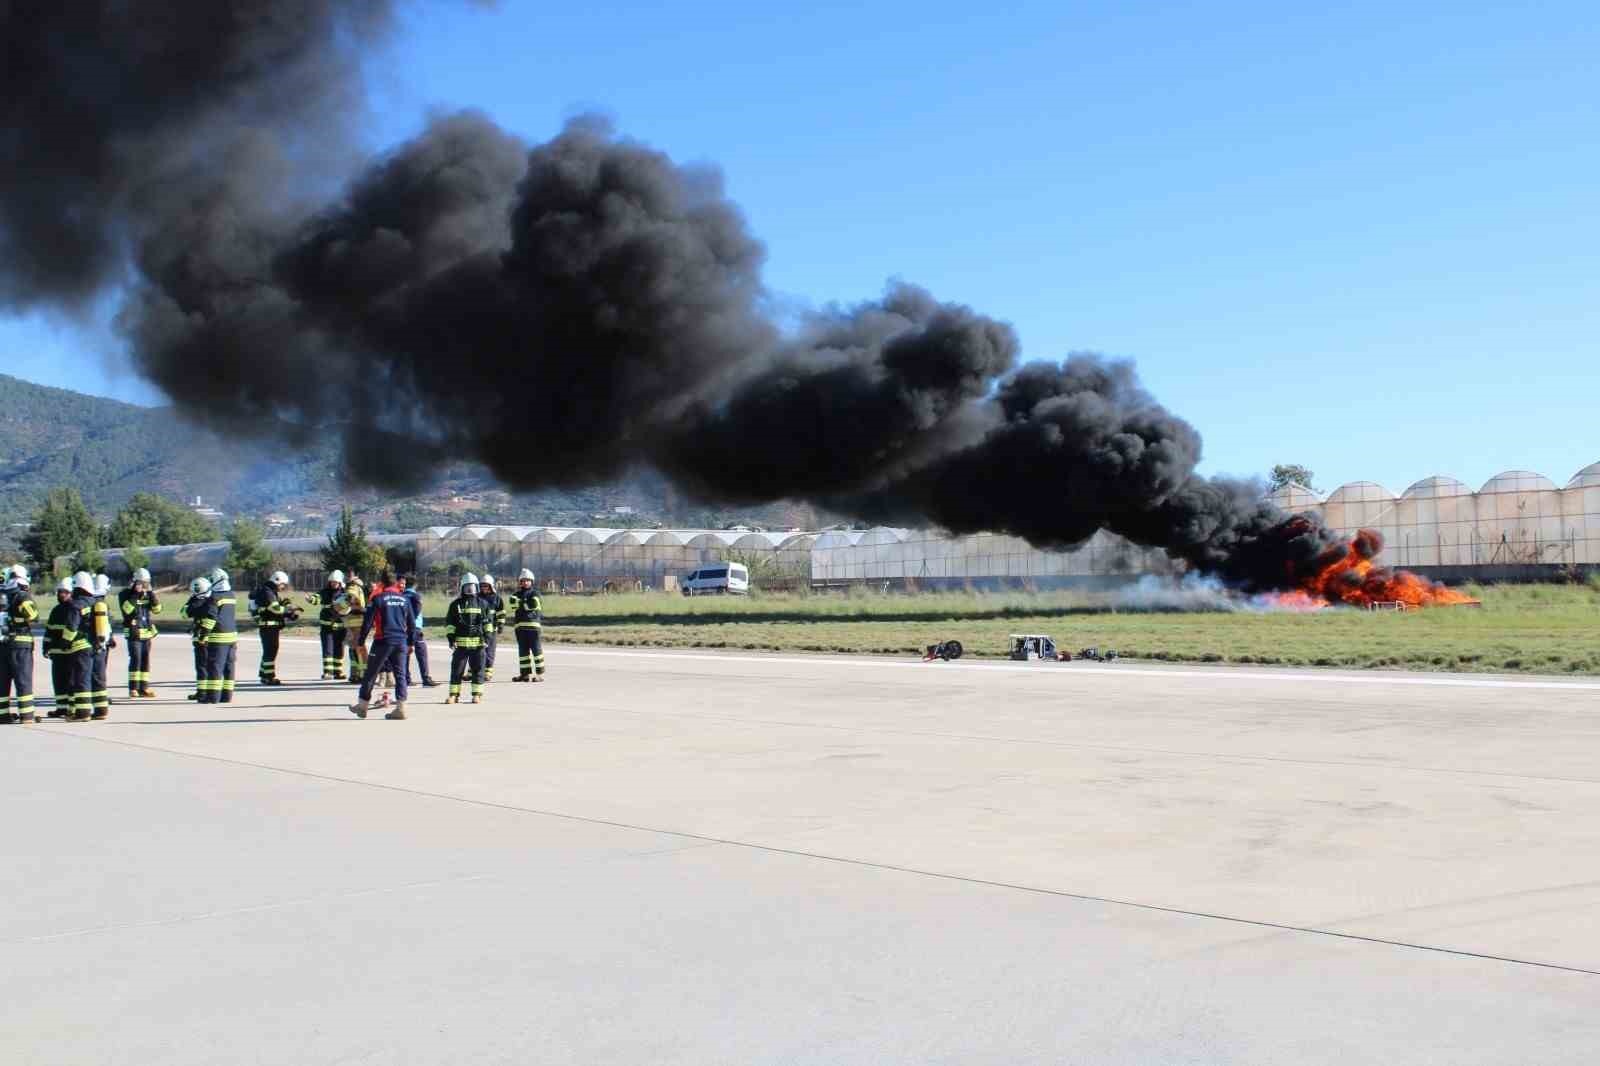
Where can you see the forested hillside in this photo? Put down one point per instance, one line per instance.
(108, 450)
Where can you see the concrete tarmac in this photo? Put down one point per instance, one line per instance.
(670, 857)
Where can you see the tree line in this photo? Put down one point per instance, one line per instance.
(64, 528)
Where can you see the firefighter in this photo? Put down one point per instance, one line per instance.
(71, 634)
(138, 606)
(99, 680)
(528, 619)
(419, 646)
(330, 602)
(494, 620)
(392, 624)
(272, 609)
(355, 615)
(195, 611)
(220, 625)
(16, 644)
(465, 625)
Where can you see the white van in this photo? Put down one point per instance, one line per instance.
(717, 579)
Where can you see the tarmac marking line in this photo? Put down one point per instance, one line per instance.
(770, 849)
(1076, 669)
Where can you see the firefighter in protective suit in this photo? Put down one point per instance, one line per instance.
(194, 611)
(75, 631)
(16, 644)
(355, 615)
(494, 620)
(330, 604)
(465, 625)
(527, 612)
(219, 622)
(138, 605)
(272, 610)
(99, 676)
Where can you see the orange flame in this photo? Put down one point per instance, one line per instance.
(1349, 577)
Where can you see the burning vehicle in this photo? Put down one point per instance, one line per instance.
(944, 651)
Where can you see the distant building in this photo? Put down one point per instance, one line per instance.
(209, 513)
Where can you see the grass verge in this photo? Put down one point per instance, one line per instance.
(1519, 629)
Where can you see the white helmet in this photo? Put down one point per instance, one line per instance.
(83, 582)
(279, 578)
(200, 587)
(102, 584)
(18, 573)
(469, 581)
(526, 575)
(142, 574)
(486, 579)
(336, 577)
(64, 585)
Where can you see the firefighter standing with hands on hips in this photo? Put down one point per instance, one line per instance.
(527, 612)
(138, 605)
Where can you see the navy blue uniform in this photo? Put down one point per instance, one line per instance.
(390, 616)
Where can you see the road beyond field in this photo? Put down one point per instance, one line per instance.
(691, 858)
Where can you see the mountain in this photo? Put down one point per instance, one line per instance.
(108, 450)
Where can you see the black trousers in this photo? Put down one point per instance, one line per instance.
(138, 665)
(489, 641)
(16, 672)
(199, 667)
(217, 687)
(271, 636)
(99, 686)
(466, 663)
(70, 677)
(530, 650)
(332, 651)
(381, 656)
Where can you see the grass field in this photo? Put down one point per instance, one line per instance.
(1529, 628)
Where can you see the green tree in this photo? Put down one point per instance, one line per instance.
(1291, 474)
(247, 550)
(349, 550)
(61, 526)
(150, 519)
(135, 558)
(92, 559)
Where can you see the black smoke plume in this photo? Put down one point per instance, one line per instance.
(559, 312)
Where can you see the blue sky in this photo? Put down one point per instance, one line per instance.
(1365, 239)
